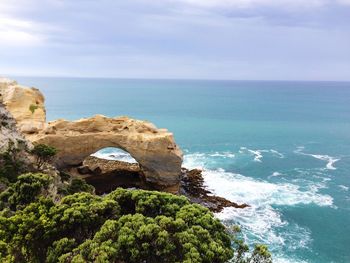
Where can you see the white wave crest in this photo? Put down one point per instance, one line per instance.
(262, 221)
(329, 159)
(258, 153)
(202, 160)
(223, 154)
(114, 154)
(280, 155)
(343, 187)
(276, 174)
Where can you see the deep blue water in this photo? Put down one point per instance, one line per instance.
(282, 147)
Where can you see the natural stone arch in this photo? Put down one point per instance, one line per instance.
(154, 149)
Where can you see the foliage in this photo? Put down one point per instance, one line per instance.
(44, 153)
(260, 253)
(126, 225)
(11, 164)
(27, 189)
(64, 176)
(123, 226)
(77, 185)
(33, 107)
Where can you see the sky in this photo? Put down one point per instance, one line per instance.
(180, 39)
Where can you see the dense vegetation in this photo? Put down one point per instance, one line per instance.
(126, 225)
(11, 164)
(44, 153)
(43, 222)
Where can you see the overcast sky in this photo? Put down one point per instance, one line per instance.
(197, 39)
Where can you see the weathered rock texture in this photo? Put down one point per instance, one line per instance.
(25, 104)
(13, 142)
(155, 150)
(107, 175)
(9, 134)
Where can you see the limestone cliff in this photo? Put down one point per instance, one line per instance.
(25, 104)
(155, 149)
(10, 137)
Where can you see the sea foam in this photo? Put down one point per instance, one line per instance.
(258, 154)
(262, 221)
(329, 159)
(114, 154)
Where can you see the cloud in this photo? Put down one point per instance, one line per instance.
(242, 39)
(255, 3)
(344, 2)
(18, 32)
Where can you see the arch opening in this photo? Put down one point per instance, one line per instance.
(114, 154)
(110, 168)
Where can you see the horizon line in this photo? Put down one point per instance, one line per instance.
(154, 78)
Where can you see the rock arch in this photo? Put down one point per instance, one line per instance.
(154, 149)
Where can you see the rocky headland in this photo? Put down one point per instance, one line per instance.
(158, 157)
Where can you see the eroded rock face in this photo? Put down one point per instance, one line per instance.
(9, 134)
(154, 149)
(25, 104)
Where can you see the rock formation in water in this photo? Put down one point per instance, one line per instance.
(154, 149)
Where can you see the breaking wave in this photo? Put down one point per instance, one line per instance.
(329, 159)
(262, 221)
(258, 154)
(114, 154)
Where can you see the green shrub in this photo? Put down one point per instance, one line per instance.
(11, 164)
(64, 176)
(33, 107)
(77, 185)
(27, 189)
(44, 153)
(87, 228)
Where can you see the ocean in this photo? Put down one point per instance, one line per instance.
(281, 147)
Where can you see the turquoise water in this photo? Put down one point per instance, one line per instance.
(282, 147)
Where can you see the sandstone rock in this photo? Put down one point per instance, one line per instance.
(155, 150)
(12, 138)
(9, 134)
(107, 166)
(84, 169)
(25, 104)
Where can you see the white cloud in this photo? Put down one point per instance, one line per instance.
(18, 32)
(344, 2)
(256, 3)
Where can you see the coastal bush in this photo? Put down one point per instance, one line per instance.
(27, 189)
(11, 164)
(44, 153)
(260, 252)
(76, 185)
(125, 226)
